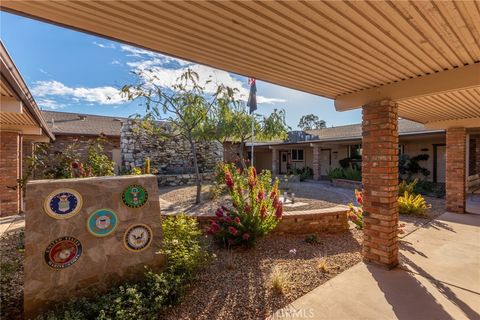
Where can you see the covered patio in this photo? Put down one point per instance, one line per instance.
(415, 60)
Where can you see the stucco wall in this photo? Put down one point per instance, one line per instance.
(263, 160)
(103, 260)
(414, 148)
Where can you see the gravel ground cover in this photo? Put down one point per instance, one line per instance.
(237, 284)
(181, 199)
(11, 275)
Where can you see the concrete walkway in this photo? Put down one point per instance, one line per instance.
(11, 223)
(442, 281)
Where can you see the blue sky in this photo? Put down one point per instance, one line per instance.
(75, 72)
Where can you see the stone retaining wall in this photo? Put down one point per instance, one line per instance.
(102, 260)
(330, 220)
(168, 156)
(173, 180)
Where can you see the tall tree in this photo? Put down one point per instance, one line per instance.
(233, 123)
(185, 107)
(311, 121)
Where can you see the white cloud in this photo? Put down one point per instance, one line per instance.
(155, 70)
(105, 46)
(100, 95)
(158, 58)
(49, 104)
(115, 61)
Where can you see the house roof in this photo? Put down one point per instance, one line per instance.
(66, 123)
(354, 132)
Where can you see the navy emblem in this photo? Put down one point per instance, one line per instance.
(138, 237)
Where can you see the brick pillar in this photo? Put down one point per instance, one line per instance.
(380, 183)
(456, 171)
(275, 163)
(477, 156)
(317, 173)
(10, 171)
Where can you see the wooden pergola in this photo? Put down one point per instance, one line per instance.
(419, 60)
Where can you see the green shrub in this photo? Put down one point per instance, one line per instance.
(254, 211)
(97, 161)
(405, 186)
(412, 204)
(345, 173)
(303, 173)
(182, 246)
(352, 174)
(336, 173)
(312, 239)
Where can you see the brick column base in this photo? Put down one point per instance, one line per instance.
(456, 171)
(380, 183)
(316, 162)
(10, 171)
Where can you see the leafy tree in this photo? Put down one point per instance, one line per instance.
(185, 107)
(311, 121)
(233, 123)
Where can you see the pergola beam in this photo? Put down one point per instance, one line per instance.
(445, 81)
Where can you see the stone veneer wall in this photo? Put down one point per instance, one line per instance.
(104, 260)
(168, 156)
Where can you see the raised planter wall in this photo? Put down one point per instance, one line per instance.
(173, 180)
(348, 184)
(330, 220)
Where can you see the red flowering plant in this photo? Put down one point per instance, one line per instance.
(254, 211)
(355, 214)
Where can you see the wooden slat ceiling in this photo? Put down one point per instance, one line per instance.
(23, 119)
(439, 107)
(328, 48)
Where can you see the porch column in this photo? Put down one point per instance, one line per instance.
(274, 162)
(317, 173)
(10, 171)
(380, 183)
(456, 169)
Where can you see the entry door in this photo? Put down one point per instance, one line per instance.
(441, 163)
(325, 161)
(283, 161)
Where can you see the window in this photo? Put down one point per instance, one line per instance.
(355, 151)
(401, 149)
(297, 154)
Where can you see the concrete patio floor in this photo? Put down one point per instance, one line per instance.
(439, 278)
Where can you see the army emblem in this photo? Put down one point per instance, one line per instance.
(134, 196)
(63, 203)
(61, 253)
(102, 222)
(138, 237)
